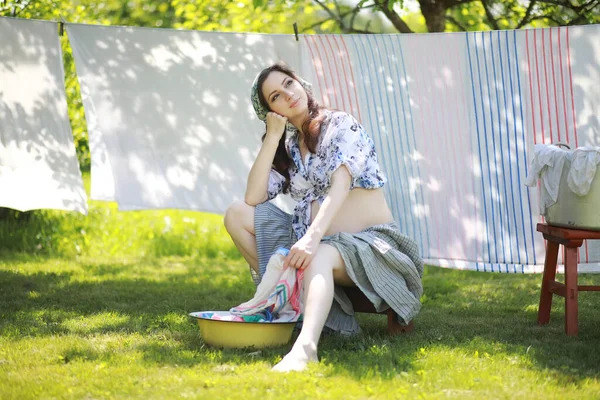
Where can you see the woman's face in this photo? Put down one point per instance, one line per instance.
(285, 95)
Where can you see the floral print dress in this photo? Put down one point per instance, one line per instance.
(342, 141)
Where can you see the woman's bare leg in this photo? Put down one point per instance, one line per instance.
(239, 222)
(318, 297)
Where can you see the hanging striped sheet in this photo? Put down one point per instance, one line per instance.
(454, 118)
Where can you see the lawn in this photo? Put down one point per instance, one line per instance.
(96, 307)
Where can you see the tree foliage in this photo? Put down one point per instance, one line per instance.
(243, 15)
(454, 15)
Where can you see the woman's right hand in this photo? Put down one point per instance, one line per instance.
(275, 125)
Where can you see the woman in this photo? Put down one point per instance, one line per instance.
(342, 232)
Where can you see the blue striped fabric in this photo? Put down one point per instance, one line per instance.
(393, 132)
(454, 118)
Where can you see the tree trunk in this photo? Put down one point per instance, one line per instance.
(434, 12)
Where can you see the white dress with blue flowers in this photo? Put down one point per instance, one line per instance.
(343, 141)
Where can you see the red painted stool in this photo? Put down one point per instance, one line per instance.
(571, 239)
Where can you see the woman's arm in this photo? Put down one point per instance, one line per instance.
(258, 178)
(303, 251)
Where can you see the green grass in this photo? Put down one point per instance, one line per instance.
(109, 320)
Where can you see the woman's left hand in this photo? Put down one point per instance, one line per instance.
(302, 252)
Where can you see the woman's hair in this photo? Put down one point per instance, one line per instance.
(311, 128)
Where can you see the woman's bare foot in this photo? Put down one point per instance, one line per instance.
(297, 359)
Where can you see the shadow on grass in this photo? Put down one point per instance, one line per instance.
(470, 311)
(143, 300)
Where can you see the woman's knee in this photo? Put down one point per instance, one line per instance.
(329, 258)
(239, 215)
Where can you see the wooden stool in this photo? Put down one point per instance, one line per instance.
(571, 239)
(360, 303)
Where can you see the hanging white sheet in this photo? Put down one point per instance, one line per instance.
(38, 162)
(169, 115)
